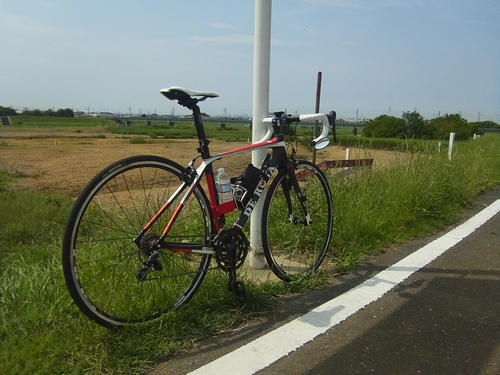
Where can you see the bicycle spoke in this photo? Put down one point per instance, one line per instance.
(106, 271)
(294, 247)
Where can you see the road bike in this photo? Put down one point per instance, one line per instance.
(144, 233)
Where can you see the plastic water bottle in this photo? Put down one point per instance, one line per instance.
(224, 189)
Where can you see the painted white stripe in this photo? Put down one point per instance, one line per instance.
(267, 349)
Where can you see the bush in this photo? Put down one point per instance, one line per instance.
(413, 125)
(384, 126)
(441, 127)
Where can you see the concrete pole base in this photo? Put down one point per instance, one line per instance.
(257, 261)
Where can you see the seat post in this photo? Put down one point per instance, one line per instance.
(200, 130)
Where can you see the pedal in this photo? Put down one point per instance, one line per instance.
(240, 292)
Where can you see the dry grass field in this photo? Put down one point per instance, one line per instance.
(58, 160)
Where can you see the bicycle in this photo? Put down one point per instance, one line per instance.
(143, 234)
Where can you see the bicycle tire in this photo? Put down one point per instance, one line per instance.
(100, 259)
(296, 250)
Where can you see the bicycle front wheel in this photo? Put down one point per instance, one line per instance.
(104, 268)
(292, 248)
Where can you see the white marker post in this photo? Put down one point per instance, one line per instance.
(261, 69)
(450, 145)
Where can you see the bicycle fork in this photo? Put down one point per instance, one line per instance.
(285, 185)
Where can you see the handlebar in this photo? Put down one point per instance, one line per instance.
(186, 98)
(319, 142)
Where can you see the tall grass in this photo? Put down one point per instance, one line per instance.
(419, 194)
(41, 330)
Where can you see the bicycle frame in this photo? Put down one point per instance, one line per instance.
(218, 209)
(273, 139)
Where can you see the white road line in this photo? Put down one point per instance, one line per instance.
(267, 349)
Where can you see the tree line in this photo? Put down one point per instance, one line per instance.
(62, 112)
(413, 125)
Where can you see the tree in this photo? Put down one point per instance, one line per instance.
(385, 126)
(488, 124)
(49, 113)
(441, 127)
(67, 112)
(6, 111)
(414, 124)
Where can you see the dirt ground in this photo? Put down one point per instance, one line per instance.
(64, 161)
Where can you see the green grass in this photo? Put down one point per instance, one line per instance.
(418, 195)
(181, 129)
(186, 130)
(57, 122)
(42, 331)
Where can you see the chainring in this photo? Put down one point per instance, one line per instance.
(231, 239)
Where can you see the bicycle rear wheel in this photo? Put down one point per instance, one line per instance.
(100, 258)
(294, 249)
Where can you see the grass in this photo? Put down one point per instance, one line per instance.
(418, 195)
(41, 330)
(57, 122)
(181, 129)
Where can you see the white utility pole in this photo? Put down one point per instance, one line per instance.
(261, 69)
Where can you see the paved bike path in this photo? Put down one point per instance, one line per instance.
(442, 318)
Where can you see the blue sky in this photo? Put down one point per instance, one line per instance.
(376, 56)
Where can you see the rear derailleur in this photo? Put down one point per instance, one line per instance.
(148, 255)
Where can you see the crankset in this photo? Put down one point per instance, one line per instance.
(231, 251)
(231, 240)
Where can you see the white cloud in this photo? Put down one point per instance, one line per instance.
(21, 24)
(459, 19)
(226, 39)
(234, 39)
(339, 3)
(369, 4)
(219, 25)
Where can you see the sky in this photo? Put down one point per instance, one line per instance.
(376, 56)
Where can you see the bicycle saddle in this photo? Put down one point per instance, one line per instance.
(177, 92)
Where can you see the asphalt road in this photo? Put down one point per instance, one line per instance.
(442, 319)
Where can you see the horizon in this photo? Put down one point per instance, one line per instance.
(105, 114)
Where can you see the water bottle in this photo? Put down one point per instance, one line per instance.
(224, 189)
